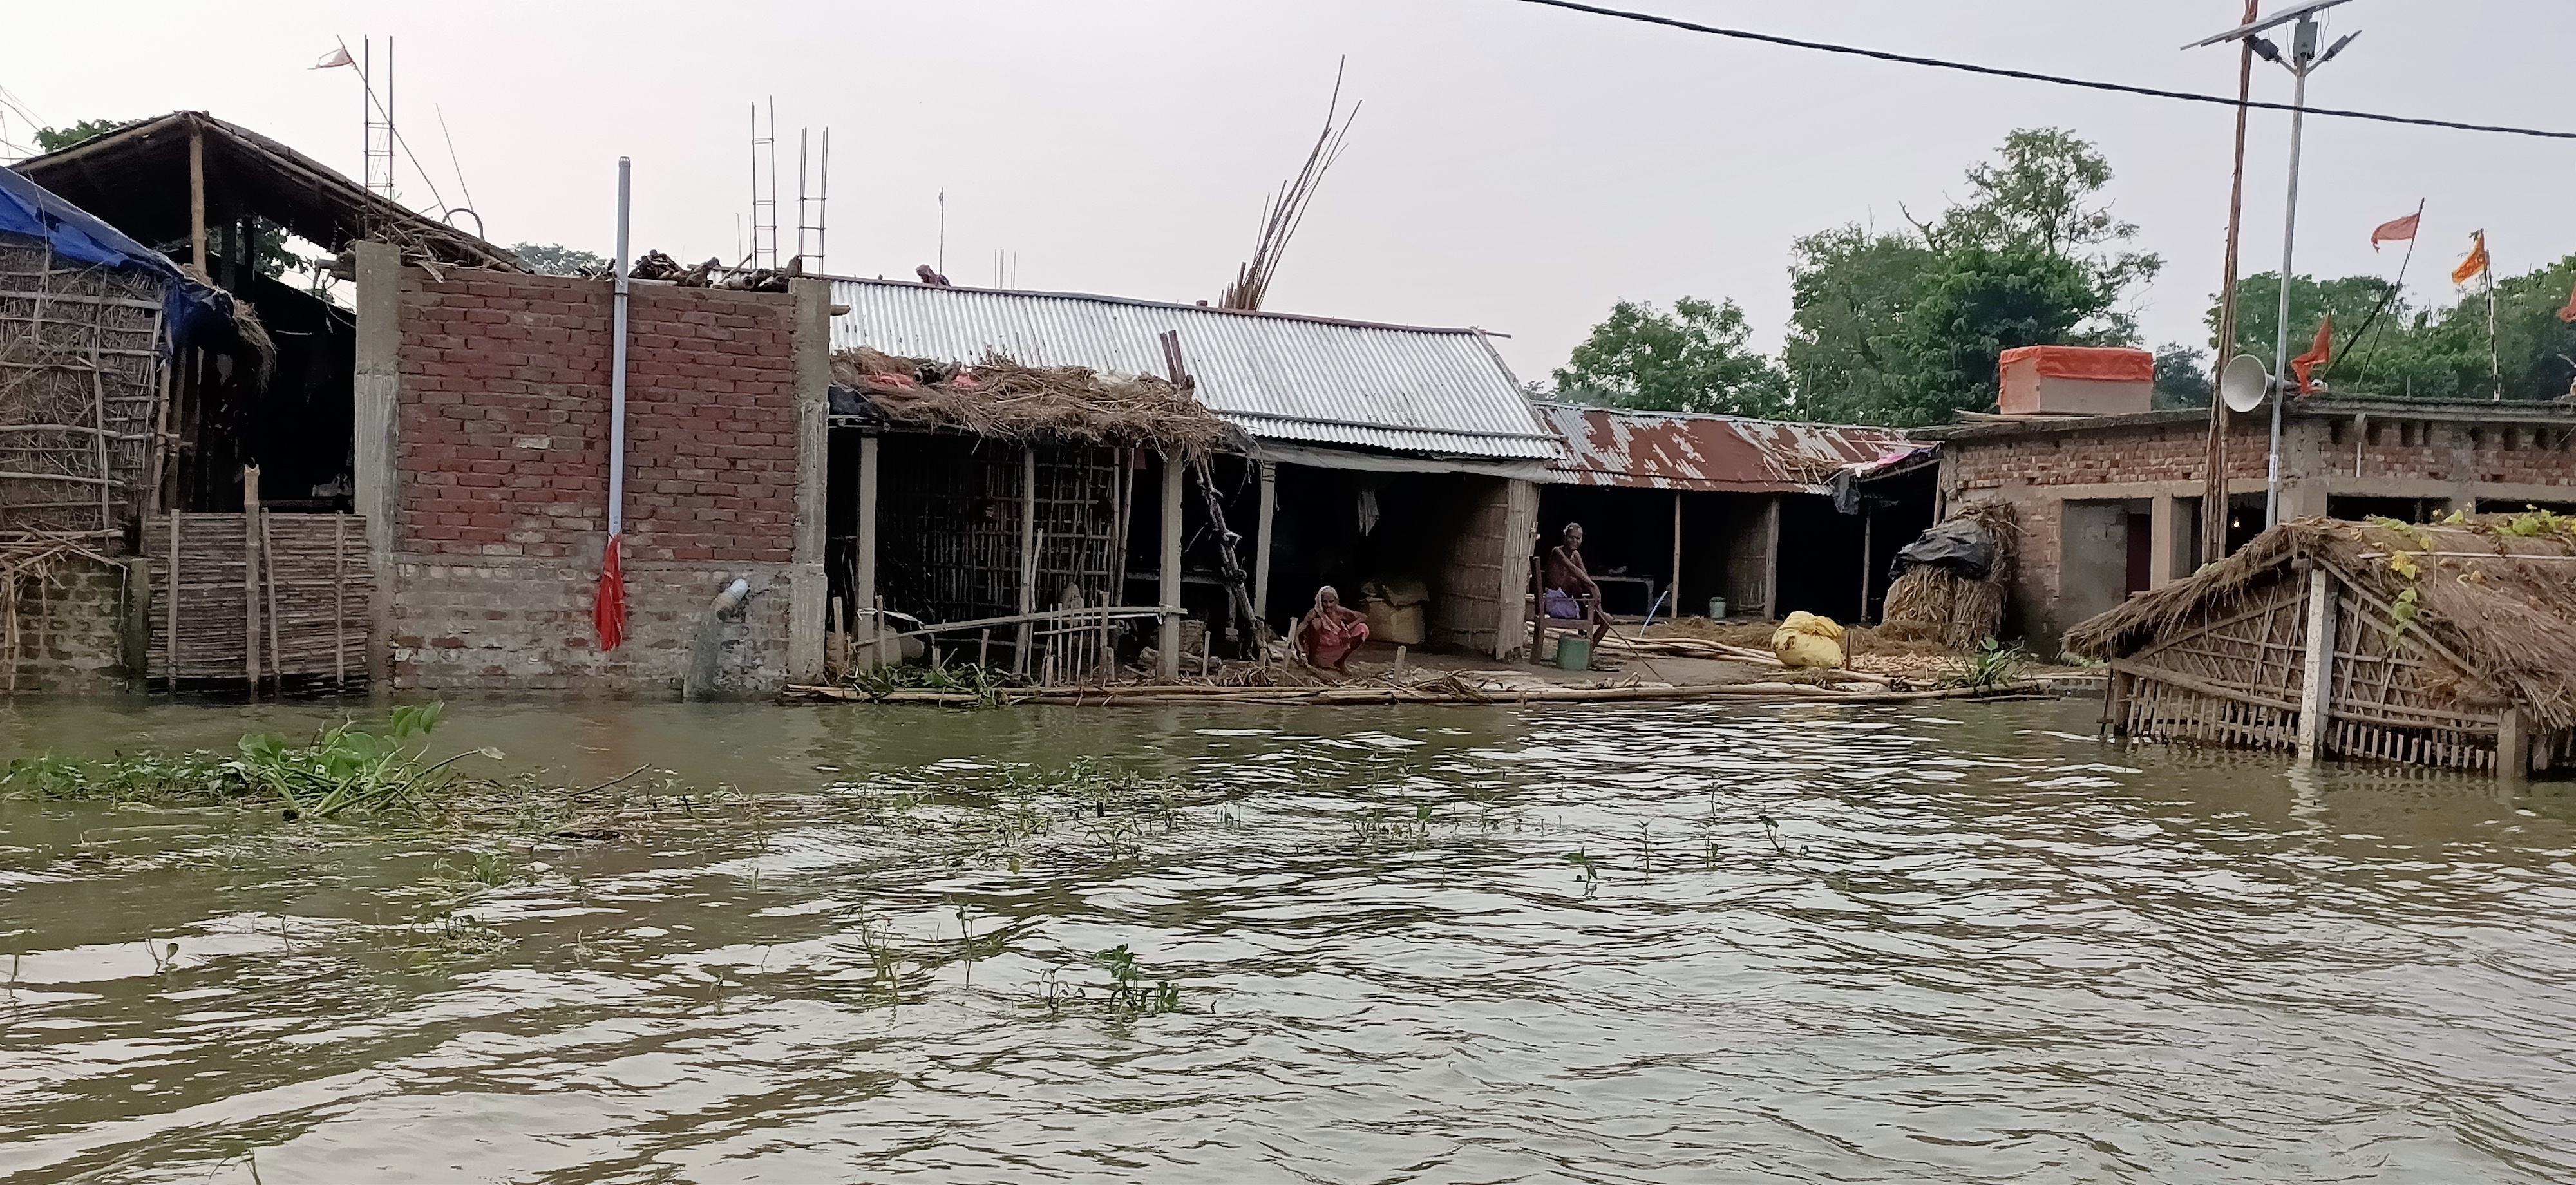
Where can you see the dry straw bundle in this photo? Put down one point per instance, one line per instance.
(1933, 603)
(1003, 399)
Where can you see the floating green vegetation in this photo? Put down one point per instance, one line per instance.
(344, 769)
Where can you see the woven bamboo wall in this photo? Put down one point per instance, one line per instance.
(80, 376)
(312, 582)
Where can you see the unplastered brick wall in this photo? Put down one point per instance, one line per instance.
(2149, 453)
(502, 479)
(68, 631)
(2450, 451)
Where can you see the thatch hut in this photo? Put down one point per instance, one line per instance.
(2450, 645)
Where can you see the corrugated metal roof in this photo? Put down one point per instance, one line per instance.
(1277, 376)
(1672, 451)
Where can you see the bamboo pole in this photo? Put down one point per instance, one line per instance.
(250, 577)
(339, 597)
(268, 562)
(171, 612)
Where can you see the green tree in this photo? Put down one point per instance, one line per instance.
(1906, 328)
(2424, 351)
(1693, 359)
(1849, 289)
(57, 139)
(555, 259)
(1976, 304)
(2182, 376)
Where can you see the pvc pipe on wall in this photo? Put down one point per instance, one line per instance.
(617, 364)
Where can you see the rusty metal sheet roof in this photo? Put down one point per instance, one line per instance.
(1278, 376)
(1673, 451)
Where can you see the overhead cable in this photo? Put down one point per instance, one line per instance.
(2029, 76)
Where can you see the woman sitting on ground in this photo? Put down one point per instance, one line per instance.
(1330, 632)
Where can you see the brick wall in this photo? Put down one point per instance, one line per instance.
(2151, 453)
(70, 640)
(501, 462)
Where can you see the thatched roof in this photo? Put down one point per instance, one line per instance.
(2496, 590)
(1002, 399)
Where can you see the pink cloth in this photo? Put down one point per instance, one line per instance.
(1327, 645)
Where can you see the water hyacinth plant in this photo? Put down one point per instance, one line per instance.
(342, 770)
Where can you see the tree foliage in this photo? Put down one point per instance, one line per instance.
(1692, 359)
(2426, 350)
(57, 139)
(555, 259)
(2182, 376)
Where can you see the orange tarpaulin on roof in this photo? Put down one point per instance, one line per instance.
(2108, 364)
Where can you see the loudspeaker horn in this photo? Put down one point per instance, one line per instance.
(2243, 384)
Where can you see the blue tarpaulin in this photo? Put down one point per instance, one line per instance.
(29, 209)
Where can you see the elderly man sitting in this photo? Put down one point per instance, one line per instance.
(1330, 632)
(1569, 593)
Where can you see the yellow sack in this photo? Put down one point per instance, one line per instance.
(1806, 640)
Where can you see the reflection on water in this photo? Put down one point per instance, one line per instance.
(1620, 943)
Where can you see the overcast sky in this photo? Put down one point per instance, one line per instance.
(1515, 167)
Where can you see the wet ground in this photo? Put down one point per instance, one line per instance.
(1581, 943)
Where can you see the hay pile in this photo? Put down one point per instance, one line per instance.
(1932, 603)
(1002, 399)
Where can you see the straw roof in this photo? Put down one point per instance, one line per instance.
(1002, 399)
(2497, 590)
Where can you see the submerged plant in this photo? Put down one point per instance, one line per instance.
(1992, 664)
(987, 687)
(343, 769)
(1128, 990)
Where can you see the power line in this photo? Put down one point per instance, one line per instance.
(2028, 76)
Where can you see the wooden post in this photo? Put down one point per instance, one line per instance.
(1865, 525)
(863, 561)
(1771, 558)
(197, 200)
(2316, 689)
(250, 576)
(170, 614)
(1673, 587)
(268, 564)
(1167, 638)
(2513, 746)
(1028, 553)
(2164, 524)
(339, 597)
(1261, 539)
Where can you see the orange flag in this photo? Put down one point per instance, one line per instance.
(2475, 263)
(609, 611)
(2568, 314)
(2317, 355)
(2395, 231)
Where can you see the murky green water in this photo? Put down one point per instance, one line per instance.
(1972, 944)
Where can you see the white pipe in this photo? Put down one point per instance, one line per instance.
(617, 366)
(2300, 46)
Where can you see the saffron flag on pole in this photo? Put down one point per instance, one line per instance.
(2568, 314)
(2318, 355)
(2475, 263)
(609, 611)
(2397, 230)
(337, 57)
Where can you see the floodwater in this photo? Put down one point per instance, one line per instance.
(1956, 943)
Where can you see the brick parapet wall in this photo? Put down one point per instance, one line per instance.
(502, 440)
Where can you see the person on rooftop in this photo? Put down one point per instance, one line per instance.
(1571, 594)
(1330, 632)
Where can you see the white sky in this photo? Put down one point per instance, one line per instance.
(1516, 167)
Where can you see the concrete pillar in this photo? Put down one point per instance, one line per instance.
(1167, 639)
(863, 562)
(2163, 523)
(1261, 539)
(1021, 661)
(377, 417)
(808, 592)
(2316, 684)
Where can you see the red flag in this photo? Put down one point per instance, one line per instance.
(2395, 231)
(2317, 355)
(2475, 263)
(609, 611)
(2568, 314)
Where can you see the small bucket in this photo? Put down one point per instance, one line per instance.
(1717, 608)
(1573, 653)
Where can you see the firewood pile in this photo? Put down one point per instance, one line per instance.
(654, 265)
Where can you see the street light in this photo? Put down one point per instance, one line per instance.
(2303, 58)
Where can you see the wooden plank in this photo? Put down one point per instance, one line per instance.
(250, 576)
